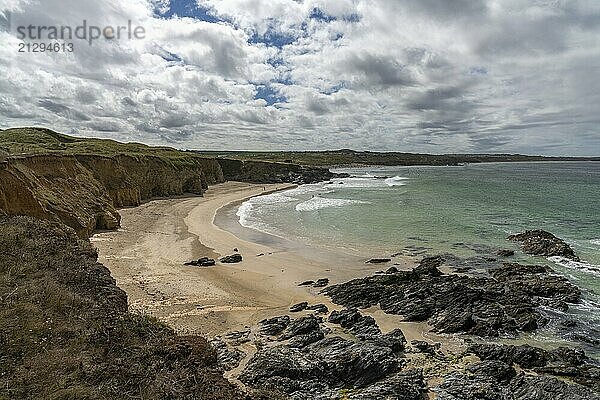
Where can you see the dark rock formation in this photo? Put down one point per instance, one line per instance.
(327, 364)
(273, 326)
(505, 253)
(405, 385)
(318, 308)
(542, 243)
(365, 328)
(237, 337)
(301, 326)
(232, 259)
(299, 307)
(202, 262)
(227, 358)
(492, 381)
(486, 306)
(421, 346)
(561, 362)
(391, 270)
(378, 260)
(495, 378)
(322, 282)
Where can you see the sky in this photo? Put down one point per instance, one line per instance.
(435, 76)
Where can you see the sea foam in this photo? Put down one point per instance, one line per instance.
(576, 265)
(396, 181)
(318, 203)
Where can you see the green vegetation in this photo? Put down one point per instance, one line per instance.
(65, 332)
(27, 141)
(32, 141)
(351, 157)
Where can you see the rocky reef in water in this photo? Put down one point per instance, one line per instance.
(345, 354)
(541, 243)
(504, 303)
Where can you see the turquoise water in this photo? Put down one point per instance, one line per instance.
(467, 211)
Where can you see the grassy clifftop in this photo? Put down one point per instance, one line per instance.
(36, 141)
(351, 157)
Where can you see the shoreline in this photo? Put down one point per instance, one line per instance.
(147, 253)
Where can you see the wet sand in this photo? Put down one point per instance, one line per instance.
(147, 254)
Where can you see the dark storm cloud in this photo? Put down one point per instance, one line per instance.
(62, 110)
(378, 70)
(446, 9)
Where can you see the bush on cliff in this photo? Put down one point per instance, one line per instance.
(65, 332)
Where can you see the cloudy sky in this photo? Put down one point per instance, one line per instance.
(409, 75)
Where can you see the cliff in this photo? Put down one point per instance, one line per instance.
(80, 182)
(82, 191)
(65, 332)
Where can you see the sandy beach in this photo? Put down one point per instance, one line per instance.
(146, 257)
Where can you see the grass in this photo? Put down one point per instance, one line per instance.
(65, 332)
(350, 157)
(36, 141)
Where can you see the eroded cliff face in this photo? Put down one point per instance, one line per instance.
(83, 191)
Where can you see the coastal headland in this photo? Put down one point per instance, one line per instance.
(128, 314)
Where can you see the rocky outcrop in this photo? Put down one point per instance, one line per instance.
(561, 362)
(542, 243)
(561, 373)
(506, 302)
(272, 172)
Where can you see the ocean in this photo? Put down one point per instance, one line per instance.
(464, 212)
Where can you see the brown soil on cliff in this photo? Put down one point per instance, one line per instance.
(65, 332)
(80, 181)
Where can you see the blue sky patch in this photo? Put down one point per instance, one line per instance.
(273, 38)
(188, 8)
(269, 94)
(319, 15)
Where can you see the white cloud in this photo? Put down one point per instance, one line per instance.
(414, 75)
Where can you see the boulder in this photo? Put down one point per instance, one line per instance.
(318, 308)
(232, 259)
(542, 243)
(273, 326)
(299, 307)
(301, 326)
(202, 262)
(227, 358)
(321, 282)
(391, 270)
